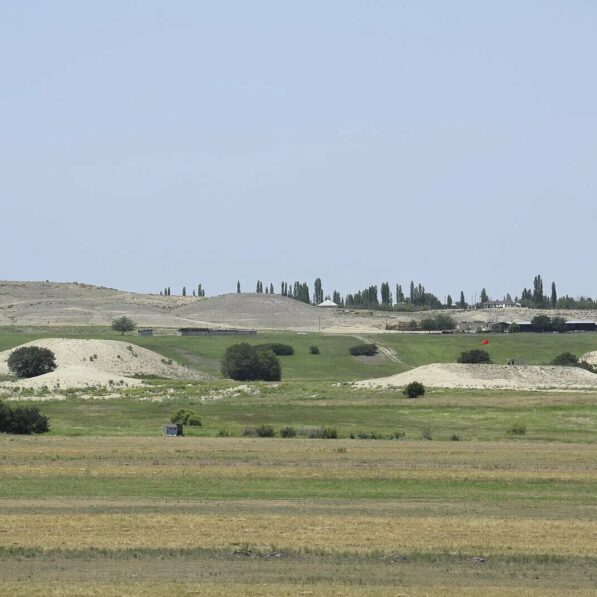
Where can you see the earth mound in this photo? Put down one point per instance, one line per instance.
(486, 377)
(590, 357)
(84, 363)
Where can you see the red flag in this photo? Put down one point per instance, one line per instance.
(485, 342)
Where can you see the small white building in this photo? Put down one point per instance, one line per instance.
(327, 304)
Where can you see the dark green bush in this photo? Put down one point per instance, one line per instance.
(323, 433)
(474, 356)
(288, 432)
(265, 431)
(31, 361)
(517, 429)
(245, 362)
(455, 437)
(367, 350)
(194, 421)
(314, 349)
(23, 420)
(414, 389)
(567, 359)
(277, 348)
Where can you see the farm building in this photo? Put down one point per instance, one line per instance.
(504, 326)
(498, 304)
(145, 332)
(580, 325)
(214, 332)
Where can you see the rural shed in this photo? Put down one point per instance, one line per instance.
(172, 430)
(145, 332)
(214, 332)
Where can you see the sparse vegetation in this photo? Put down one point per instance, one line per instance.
(518, 429)
(366, 350)
(313, 350)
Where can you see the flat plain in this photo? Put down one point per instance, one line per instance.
(446, 500)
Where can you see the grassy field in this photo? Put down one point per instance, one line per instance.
(256, 516)
(334, 363)
(105, 506)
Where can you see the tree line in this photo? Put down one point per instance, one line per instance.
(381, 298)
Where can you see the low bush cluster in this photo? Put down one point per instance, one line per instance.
(474, 356)
(289, 432)
(277, 348)
(439, 322)
(22, 420)
(567, 359)
(185, 417)
(314, 349)
(363, 350)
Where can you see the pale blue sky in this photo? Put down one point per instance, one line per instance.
(154, 143)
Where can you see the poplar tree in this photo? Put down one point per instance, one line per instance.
(462, 302)
(238, 287)
(554, 296)
(318, 293)
(184, 291)
(483, 298)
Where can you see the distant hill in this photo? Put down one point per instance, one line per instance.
(49, 303)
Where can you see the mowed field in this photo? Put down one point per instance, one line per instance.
(103, 505)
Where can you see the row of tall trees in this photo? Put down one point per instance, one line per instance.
(381, 298)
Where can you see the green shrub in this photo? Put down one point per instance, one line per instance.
(194, 421)
(250, 432)
(22, 420)
(426, 433)
(455, 437)
(517, 429)
(31, 361)
(323, 433)
(367, 350)
(398, 435)
(265, 431)
(277, 348)
(184, 416)
(314, 349)
(414, 389)
(245, 362)
(474, 356)
(440, 322)
(288, 432)
(567, 359)
(224, 433)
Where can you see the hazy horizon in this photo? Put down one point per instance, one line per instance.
(161, 144)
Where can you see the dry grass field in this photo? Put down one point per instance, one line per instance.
(216, 516)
